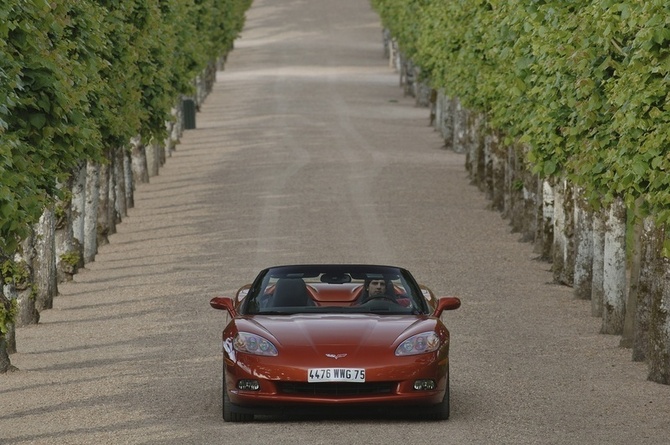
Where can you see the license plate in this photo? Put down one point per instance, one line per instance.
(336, 375)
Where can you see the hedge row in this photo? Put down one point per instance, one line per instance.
(78, 77)
(583, 84)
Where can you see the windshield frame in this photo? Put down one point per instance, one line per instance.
(336, 274)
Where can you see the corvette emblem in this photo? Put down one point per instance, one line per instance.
(336, 356)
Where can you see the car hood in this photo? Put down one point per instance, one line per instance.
(344, 331)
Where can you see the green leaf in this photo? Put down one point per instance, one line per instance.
(549, 168)
(38, 120)
(640, 168)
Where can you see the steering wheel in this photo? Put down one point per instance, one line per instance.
(380, 297)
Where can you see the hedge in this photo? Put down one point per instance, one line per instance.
(583, 84)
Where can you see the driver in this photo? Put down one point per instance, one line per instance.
(376, 288)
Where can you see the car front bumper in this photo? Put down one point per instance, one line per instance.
(384, 385)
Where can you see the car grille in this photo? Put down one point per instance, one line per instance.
(336, 389)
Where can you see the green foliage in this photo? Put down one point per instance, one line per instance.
(15, 273)
(583, 84)
(79, 78)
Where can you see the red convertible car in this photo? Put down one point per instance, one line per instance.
(338, 336)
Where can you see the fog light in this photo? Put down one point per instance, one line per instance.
(424, 385)
(248, 385)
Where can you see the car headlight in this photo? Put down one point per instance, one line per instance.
(254, 344)
(419, 344)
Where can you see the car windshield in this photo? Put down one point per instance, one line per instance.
(334, 289)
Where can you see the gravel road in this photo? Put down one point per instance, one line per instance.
(307, 151)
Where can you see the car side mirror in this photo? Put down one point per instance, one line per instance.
(446, 304)
(224, 303)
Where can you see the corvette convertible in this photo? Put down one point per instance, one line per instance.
(335, 336)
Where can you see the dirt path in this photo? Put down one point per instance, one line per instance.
(306, 151)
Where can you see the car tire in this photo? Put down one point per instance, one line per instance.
(230, 413)
(441, 410)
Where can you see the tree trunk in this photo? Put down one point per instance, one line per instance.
(445, 120)
(614, 270)
(560, 242)
(112, 217)
(68, 258)
(105, 179)
(153, 155)
(422, 91)
(597, 291)
(44, 262)
(515, 205)
(531, 203)
(5, 362)
(633, 286)
(91, 211)
(566, 273)
(460, 127)
(510, 184)
(498, 153)
(547, 225)
(650, 252)
(128, 179)
(471, 154)
(120, 204)
(386, 40)
(433, 107)
(10, 338)
(27, 312)
(489, 143)
(659, 334)
(583, 273)
(78, 211)
(400, 66)
(169, 142)
(7, 295)
(475, 148)
(172, 134)
(139, 162)
(393, 53)
(200, 84)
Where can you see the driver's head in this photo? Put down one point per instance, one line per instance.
(376, 287)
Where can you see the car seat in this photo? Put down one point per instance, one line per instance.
(290, 292)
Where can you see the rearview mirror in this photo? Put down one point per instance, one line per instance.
(242, 292)
(446, 304)
(224, 303)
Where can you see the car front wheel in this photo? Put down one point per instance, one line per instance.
(230, 413)
(441, 410)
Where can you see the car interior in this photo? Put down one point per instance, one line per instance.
(332, 291)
